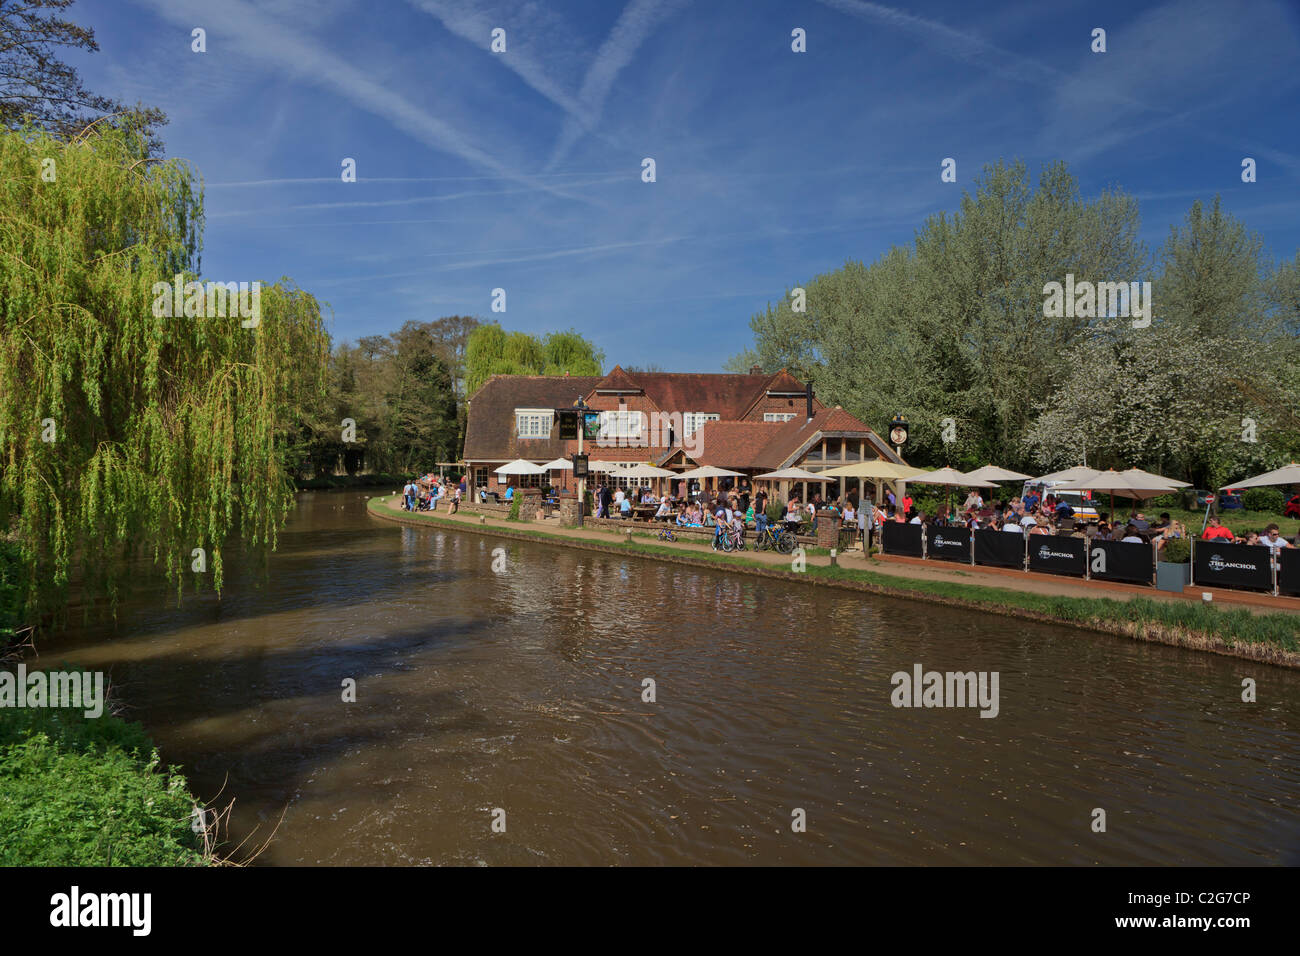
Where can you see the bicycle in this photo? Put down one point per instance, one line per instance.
(721, 540)
(774, 538)
(666, 534)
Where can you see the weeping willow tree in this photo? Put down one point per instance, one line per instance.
(129, 429)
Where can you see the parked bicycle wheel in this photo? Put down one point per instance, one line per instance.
(785, 543)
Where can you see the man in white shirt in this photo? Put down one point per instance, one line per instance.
(1012, 526)
(1274, 541)
(618, 499)
(1028, 521)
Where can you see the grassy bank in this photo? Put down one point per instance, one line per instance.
(1273, 637)
(76, 791)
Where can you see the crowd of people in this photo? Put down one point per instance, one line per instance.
(424, 493)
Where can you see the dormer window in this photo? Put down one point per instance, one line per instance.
(694, 420)
(533, 422)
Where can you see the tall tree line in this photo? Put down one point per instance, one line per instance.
(951, 330)
(397, 404)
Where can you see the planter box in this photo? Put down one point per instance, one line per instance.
(1173, 577)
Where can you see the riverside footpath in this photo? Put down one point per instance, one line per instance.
(1240, 624)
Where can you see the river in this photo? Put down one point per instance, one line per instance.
(514, 697)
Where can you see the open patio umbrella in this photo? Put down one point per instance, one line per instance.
(876, 468)
(558, 464)
(995, 474)
(643, 470)
(604, 466)
(1140, 486)
(793, 474)
(1155, 479)
(1077, 473)
(520, 467)
(951, 478)
(709, 471)
(1286, 475)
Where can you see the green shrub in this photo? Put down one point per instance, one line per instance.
(515, 504)
(76, 791)
(1270, 500)
(1176, 551)
(775, 513)
(1174, 500)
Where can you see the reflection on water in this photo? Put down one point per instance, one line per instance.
(523, 691)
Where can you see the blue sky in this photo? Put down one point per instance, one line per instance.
(522, 170)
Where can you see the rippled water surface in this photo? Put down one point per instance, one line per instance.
(522, 691)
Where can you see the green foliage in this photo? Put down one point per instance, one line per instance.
(14, 581)
(1268, 500)
(491, 350)
(952, 325)
(78, 792)
(1176, 551)
(515, 504)
(169, 432)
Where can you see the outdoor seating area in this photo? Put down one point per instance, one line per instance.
(1049, 529)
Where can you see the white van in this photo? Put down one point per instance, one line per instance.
(1078, 500)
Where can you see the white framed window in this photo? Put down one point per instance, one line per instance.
(777, 416)
(693, 420)
(621, 424)
(534, 422)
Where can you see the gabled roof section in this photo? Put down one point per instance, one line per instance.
(490, 429)
(618, 380)
(793, 438)
(728, 396)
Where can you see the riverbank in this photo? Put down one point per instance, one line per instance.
(81, 791)
(1245, 631)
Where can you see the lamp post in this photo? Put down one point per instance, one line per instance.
(580, 460)
(898, 435)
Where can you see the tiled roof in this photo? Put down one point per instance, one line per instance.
(732, 444)
(490, 429)
(793, 435)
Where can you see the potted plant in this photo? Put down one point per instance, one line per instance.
(1173, 565)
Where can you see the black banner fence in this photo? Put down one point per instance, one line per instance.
(1058, 554)
(1004, 549)
(1288, 572)
(904, 539)
(1217, 564)
(1121, 561)
(949, 544)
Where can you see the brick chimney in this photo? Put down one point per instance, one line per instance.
(756, 370)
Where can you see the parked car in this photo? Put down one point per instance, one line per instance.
(1292, 509)
(1228, 500)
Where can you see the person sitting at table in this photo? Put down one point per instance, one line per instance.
(665, 509)
(1273, 540)
(1039, 527)
(1131, 535)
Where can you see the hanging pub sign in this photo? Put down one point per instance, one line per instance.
(568, 424)
(591, 425)
(580, 465)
